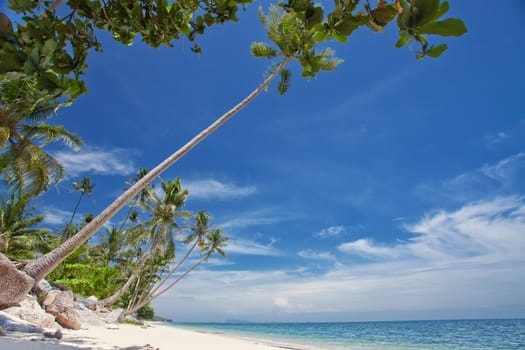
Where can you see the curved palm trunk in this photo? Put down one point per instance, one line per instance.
(152, 295)
(39, 268)
(173, 270)
(65, 234)
(109, 301)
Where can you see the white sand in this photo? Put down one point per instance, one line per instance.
(128, 337)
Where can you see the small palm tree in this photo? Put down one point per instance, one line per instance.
(19, 239)
(165, 209)
(85, 187)
(213, 243)
(24, 132)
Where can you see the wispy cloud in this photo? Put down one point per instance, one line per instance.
(331, 231)
(214, 189)
(506, 169)
(56, 217)
(313, 255)
(465, 259)
(478, 232)
(248, 247)
(366, 247)
(94, 160)
(500, 177)
(254, 218)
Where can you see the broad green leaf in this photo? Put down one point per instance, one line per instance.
(424, 11)
(313, 16)
(51, 45)
(403, 39)
(320, 34)
(384, 15)
(448, 27)
(339, 37)
(436, 51)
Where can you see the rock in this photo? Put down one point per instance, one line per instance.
(114, 316)
(112, 326)
(61, 305)
(92, 302)
(36, 317)
(89, 303)
(56, 334)
(14, 284)
(14, 324)
(31, 311)
(50, 297)
(44, 286)
(88, 317)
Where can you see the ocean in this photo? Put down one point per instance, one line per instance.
(508, 334)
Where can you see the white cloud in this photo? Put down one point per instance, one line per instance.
(92, 160)
(497, 178)
(467, 259)
(505, 169)
(54, 216)
(313, 255)
(255, 218)
(247, 247)
(213, 189)
(331, 231)
(366, 247)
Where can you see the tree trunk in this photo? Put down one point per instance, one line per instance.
(151, 296)
(14, 284)
(109, 301)
(66, 232)
(41, 267)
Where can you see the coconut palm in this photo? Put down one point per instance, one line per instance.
(19, 239)
(164, 209)
(85, 187)
(24, 133)
(294, 33)
(213, 243)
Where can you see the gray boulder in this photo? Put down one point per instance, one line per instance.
(44, 286)
(60, 304)
(114, 316)
(12, 324)
(88, 317)
(31, 311)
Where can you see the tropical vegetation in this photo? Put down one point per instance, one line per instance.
(43, 62)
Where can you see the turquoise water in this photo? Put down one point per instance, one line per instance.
(421, 335)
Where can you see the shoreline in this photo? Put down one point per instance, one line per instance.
(153, 336)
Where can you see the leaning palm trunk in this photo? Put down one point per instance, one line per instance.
(109, 301)
(41, 267)
(67, 231)
(153, 295)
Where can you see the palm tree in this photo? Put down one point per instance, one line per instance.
(85, 187)
(24, 133)
(213, 243)
(159, 230)
(18, 237)
(139, 200)
(289, 32)
(199, 232)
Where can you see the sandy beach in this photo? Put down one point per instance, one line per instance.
(128, 337)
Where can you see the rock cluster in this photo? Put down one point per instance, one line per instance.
(59, 309)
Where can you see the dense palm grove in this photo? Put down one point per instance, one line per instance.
(42, 63)
(125, 265)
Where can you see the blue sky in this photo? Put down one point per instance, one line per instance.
(388, 189)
